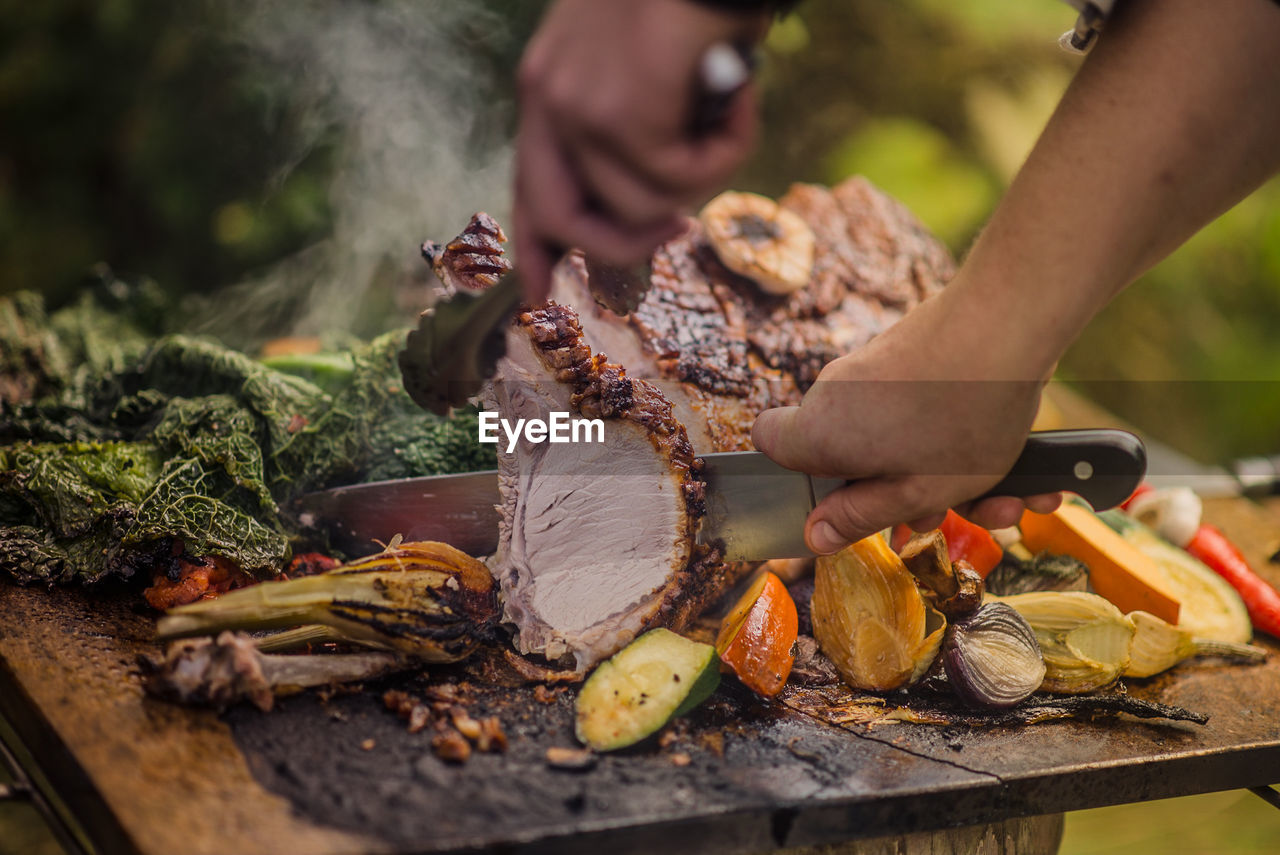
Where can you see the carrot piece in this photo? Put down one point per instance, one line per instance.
(1117, 569)
(757, 638)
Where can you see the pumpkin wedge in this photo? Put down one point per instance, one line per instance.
(757, 638)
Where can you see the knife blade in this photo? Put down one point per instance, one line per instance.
(755, 508)
(1250, 477)
(461, 510)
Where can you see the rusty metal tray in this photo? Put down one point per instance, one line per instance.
(149, 777)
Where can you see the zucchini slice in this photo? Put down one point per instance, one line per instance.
(649, 682)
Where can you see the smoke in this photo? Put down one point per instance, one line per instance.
(411, 91)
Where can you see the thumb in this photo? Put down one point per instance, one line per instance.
(778, 433)
(859, 510)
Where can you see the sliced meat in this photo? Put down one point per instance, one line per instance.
(597, 539)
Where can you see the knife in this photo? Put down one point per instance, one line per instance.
(1250, 477)
(458, 342)
(755, 508)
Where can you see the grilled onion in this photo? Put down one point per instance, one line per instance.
(757, 238)
(870, 619)
(1083, 638)
(426, 599)
(1158, 645)
(991, 658)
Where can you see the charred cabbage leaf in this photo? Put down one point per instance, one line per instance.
(121, 449)
(1044, 572)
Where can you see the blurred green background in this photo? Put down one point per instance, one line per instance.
(203, 143)
(279, 158)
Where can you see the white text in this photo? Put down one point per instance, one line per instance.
(558, 427)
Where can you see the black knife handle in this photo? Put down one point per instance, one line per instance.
(1103, 466)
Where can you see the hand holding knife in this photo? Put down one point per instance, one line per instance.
(755, 508)
(458, 342)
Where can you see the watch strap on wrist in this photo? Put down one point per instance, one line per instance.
(775, 7)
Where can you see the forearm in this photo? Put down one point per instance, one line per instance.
(1173, 118)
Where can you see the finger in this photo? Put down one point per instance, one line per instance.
(532, 257)
(996, 512)
(1045, 503)
(798, 438)
(773, 433)
(556, 207)
(546, 189)
(928, 523)
(681, 164)
(622, 193)
(860, 510)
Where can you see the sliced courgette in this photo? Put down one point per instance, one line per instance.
(654, 679)
(1211, 608)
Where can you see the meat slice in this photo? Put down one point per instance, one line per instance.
(722, 350)
(597, 540)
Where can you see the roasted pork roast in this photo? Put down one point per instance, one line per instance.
(598, 540)
(722, 350)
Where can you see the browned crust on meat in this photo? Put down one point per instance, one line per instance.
(474, 259)
(725, 338)
(603, 390)
(685, 326)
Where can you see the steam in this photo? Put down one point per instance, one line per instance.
(409, 90)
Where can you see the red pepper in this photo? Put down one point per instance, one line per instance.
(901, 534)
(1141, 490)
(965, 540)
(971, 542)
(1262, 600)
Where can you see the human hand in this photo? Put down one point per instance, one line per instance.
(923, 418)
(605, 157)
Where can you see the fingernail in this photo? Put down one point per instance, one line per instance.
(824, 539)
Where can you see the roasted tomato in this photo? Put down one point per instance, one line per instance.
(310, 564)
(757, 637)
(195, 579)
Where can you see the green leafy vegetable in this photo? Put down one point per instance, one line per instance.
(125, 449)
